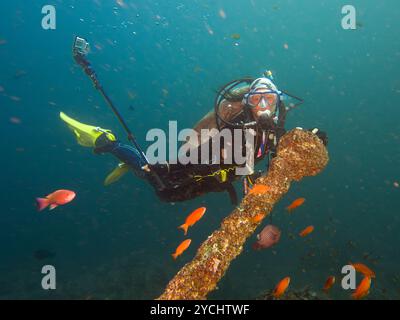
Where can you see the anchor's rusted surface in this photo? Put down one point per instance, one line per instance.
(300, 153)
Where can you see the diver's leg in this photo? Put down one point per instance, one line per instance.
(104, 141)
(131, 157)
(127, 154)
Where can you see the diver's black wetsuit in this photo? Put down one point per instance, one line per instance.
(178, 182)
(184, 182)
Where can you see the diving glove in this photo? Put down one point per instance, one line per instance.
(320, 134)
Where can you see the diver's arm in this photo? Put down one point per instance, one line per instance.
(320, 134)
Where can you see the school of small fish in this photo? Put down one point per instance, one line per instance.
(268, 237)
(191, 219)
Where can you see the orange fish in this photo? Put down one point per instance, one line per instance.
(306, 231)
(329, 283)
(55, 199)
(362, 268)
(181, 248)
(193, 218)
(258, 217)
(363, 288)
(281, 287)
(296, 203)
(259, 189)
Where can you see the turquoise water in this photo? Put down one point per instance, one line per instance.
(166, 59)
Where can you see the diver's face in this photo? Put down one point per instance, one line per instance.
(263, 103)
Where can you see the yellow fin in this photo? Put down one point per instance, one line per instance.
(86, 135)
(116, 174)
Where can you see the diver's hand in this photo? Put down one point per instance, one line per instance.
(146, 168)
(320, 134)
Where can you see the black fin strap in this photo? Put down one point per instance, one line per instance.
(232, 194)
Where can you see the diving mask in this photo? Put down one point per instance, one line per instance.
(263, 100)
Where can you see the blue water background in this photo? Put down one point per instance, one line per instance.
(161, 58)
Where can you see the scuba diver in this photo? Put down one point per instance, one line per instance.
(241, 104)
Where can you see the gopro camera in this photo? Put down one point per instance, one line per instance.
(81, 46)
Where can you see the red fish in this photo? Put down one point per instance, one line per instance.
(329, 283)
(281, 287)
(363, 289)
(55, 199)
(259, 189)
(296, 203)
(362, 268)
(269, 236)
(258, 217)
(193, 218)
(181, 248)
(306, 231)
